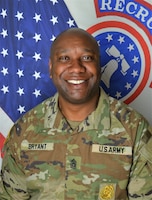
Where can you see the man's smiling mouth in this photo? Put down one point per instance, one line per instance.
(76, 82)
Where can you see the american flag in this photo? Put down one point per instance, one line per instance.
(27, 29)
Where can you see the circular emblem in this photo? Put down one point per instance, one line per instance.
(125, 59)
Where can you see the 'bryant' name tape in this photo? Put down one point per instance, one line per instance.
(25, 145)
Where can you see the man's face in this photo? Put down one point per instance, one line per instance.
(75, 68)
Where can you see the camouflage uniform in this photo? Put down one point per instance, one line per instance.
(108, 156)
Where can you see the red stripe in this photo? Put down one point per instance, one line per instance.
(2, 139)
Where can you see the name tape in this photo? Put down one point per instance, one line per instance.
(25, 145)
(119, 150)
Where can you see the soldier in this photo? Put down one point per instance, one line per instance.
(79, 144)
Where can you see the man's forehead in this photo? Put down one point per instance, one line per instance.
(70, 39)
(73, 49)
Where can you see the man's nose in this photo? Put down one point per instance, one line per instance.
(76, 66)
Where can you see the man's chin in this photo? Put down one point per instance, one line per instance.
(76, 99)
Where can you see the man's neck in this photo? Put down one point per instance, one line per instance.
(77, 112)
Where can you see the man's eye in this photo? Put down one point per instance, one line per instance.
(63, 58)
(87, 58)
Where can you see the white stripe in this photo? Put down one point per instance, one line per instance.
(5, 123)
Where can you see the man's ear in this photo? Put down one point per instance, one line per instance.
(50, 68)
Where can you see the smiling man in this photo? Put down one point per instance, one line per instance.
(79, 144)
(75, 71)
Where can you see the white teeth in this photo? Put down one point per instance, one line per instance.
(75, 81)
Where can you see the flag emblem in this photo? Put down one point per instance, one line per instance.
(125, 52)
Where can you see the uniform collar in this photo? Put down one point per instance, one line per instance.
(98, 119)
